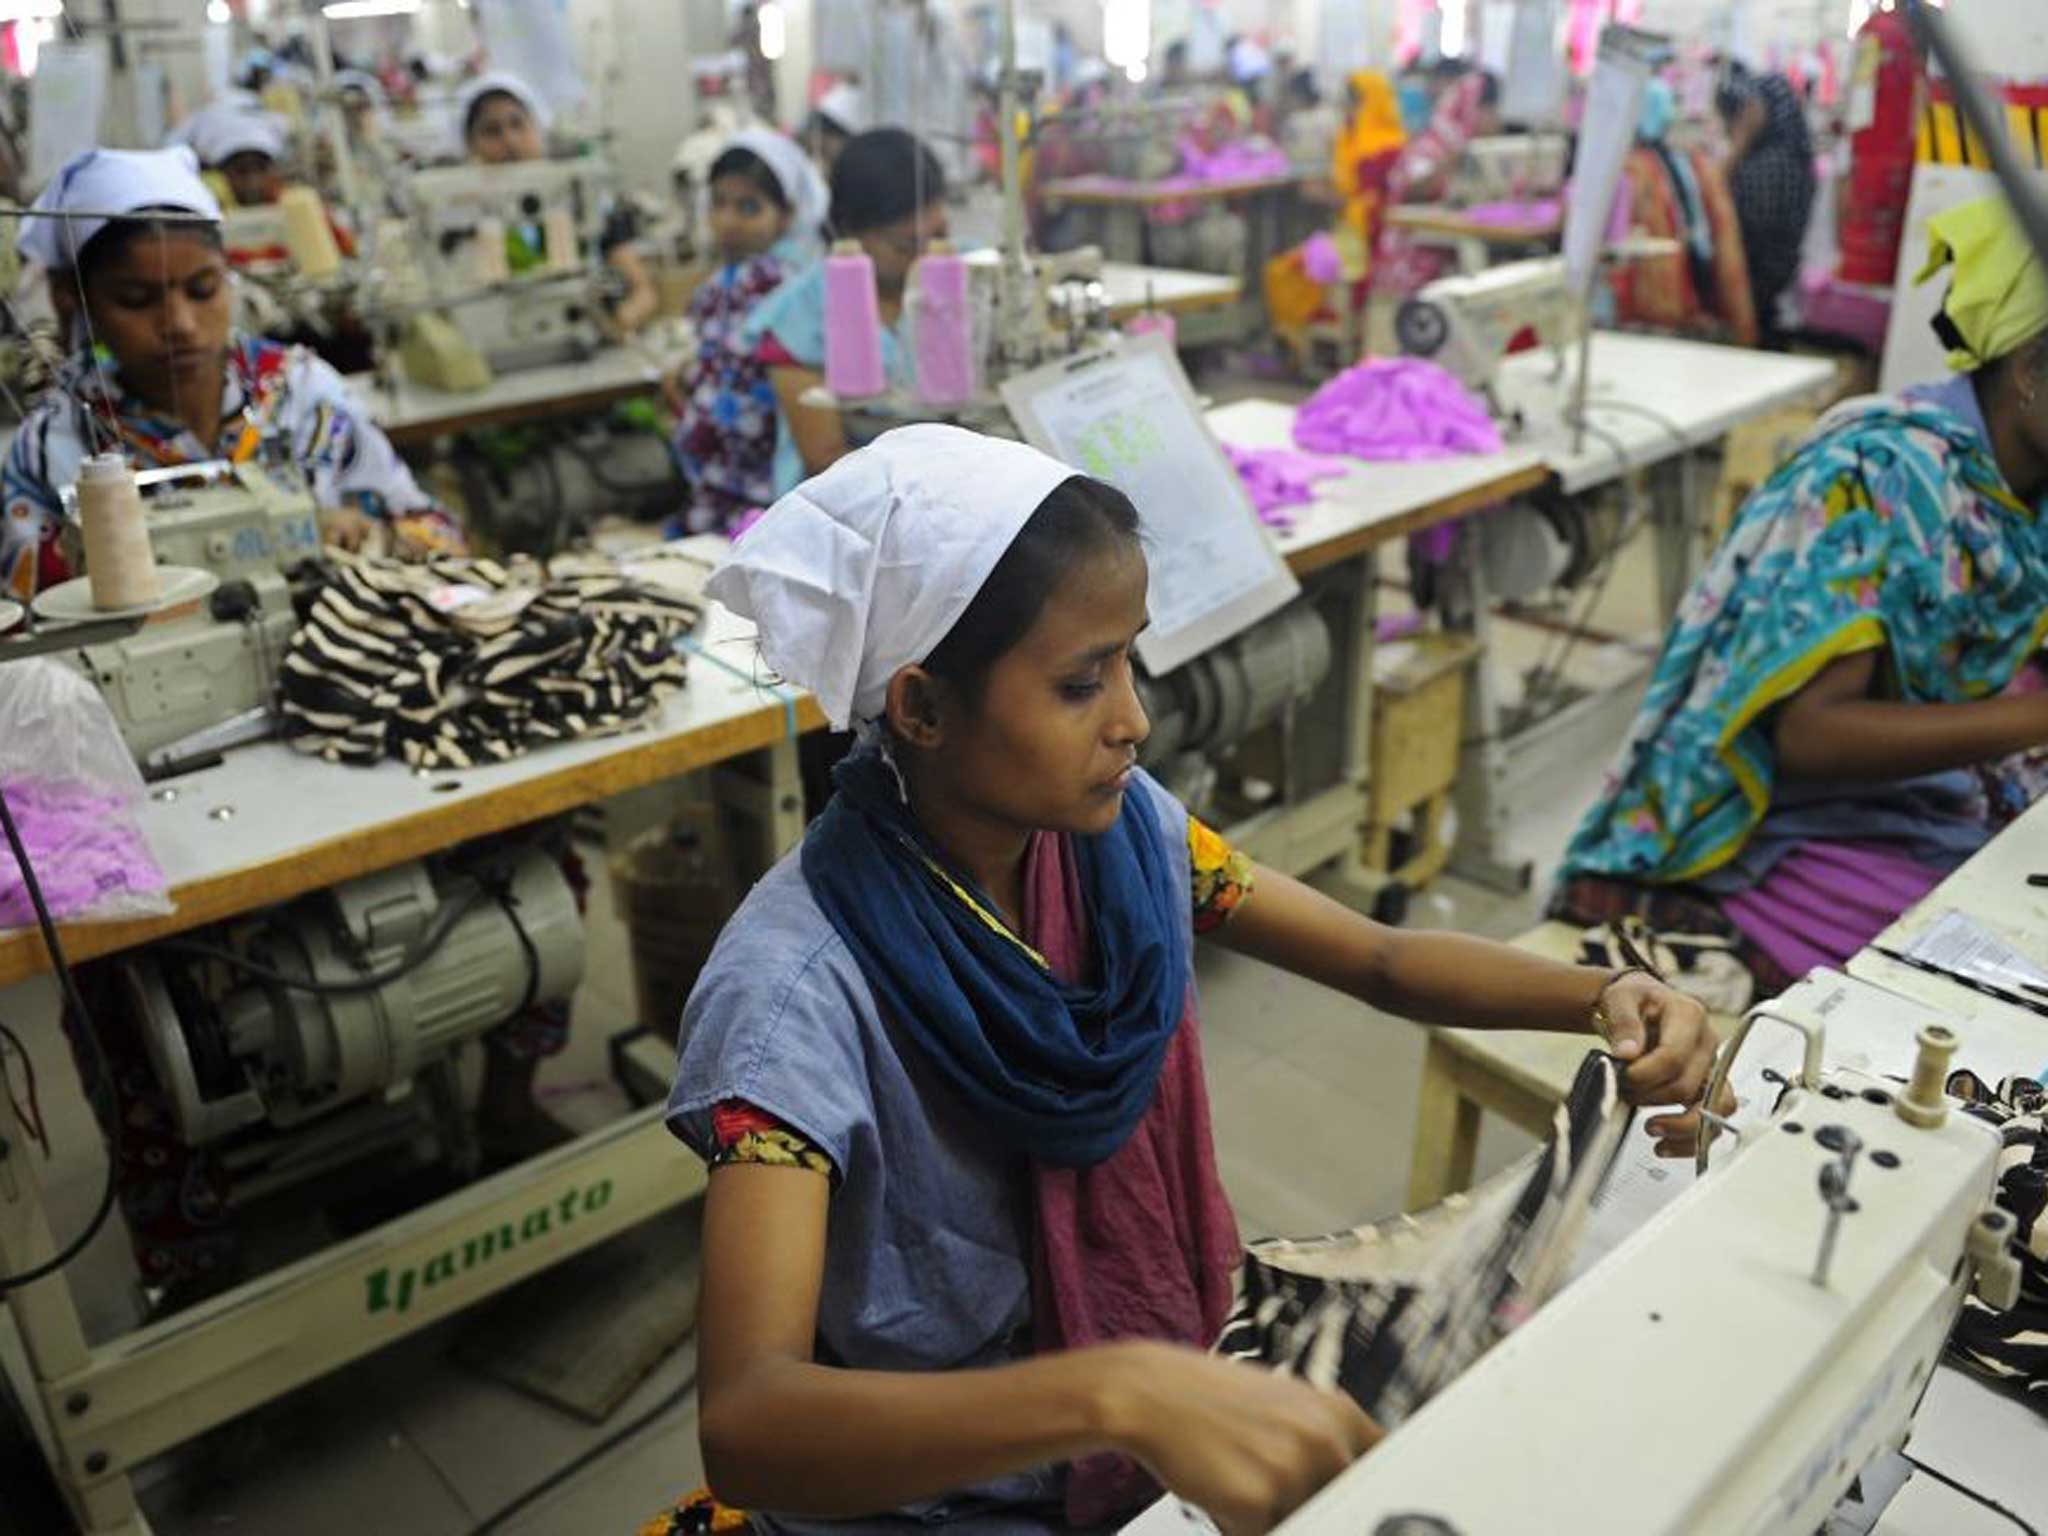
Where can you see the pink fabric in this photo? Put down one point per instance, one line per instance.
(1143, 1246)
(1823, 902)
(86, 849)
(1240, 160)
(1321, 260)
(1395, 408)
(1532, 214)
(1277, 478)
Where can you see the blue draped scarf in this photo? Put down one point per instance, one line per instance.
(1061, 1073)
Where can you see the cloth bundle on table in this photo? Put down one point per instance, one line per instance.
(1395, 408)
(1276, 479)
(455, 662)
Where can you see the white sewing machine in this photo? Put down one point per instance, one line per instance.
(1466, 323)
(1509, 166)
(525, 311)
(1735, 1363)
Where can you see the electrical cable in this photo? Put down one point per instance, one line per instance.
(443, 925)
(1971, 1494)
(570, 1468)
(30, 1115)
(110, 1119)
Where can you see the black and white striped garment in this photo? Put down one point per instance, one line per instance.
(2011, 1348)
(1392, 1313)
(453, 662)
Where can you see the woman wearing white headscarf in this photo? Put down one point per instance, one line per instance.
(765, 203)
(965, 1242)
(504, 122)
(159, 372)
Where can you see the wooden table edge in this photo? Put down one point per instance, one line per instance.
(250, 887)
(1347, 546)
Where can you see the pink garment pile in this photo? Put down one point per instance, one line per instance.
(1395, 408)
(1278, 478)
(87, 852)
(1321, 261)
(1538, 213)
(1239, 160)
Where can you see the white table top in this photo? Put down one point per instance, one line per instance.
(1372, 497)
(1652, 396)
(1130, 288)
(408, 408)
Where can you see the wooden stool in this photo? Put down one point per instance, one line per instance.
(1417, 722)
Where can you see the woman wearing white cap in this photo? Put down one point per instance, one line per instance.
(159, 372)
(766, 204)
(504, 122)
(248, 149)
(965, 1242)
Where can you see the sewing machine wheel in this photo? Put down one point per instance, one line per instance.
(1421, 328)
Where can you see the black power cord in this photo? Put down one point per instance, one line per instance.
(71, 1000)
(1969, 1493)
(443, 925)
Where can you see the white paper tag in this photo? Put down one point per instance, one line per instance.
(1964, 947)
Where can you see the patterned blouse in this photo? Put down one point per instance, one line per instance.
(725, 436)
(267, 389)
(743, 1133)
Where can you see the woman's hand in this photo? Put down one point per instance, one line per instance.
(1668, 1047)
(345, 527)
(1246, 1446)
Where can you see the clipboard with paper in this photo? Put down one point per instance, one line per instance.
(1128, 415)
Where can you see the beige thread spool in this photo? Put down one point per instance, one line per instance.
(491, 264)
(558, 228)
(307, 234)
(119, 562)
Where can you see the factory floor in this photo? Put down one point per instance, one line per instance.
(1314, 1105)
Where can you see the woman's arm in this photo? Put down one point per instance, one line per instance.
(1453, 978)
(641, 300)
(1747, 128)
(1833, 729)
(783, 1433)
(819, 433)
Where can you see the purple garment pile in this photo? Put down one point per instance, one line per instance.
(1321, 261)
(1541, 213)
(1278, 478)
(1239, 160)
(87, 851)
(1395, 408)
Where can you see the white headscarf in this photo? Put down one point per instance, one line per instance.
(863, 570)
(361, 80)
(221, 135)
(803, 188)
(511, 85)
(233, 99)
(113, 181)
(846, 107)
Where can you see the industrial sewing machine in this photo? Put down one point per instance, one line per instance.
(172, 682)
(1467, 323)
(1736, 1363)
(1509, 167)
(499, 250)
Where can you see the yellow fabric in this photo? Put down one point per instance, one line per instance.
(1293, 298)
(1998, 298)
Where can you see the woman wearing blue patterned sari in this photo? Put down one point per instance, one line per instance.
(1850, 700)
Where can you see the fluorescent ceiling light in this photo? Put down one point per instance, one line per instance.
(30, 10)
(356, 10)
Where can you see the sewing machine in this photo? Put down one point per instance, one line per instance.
(512, 311)
(176, 679)
(1739, 1360)
(1467, 323)
(1509, 167)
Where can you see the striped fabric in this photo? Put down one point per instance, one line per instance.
(455, 662)
(1392, 1313)
(2011, 1348)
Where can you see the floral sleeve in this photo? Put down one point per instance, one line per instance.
(1222, 877)
(741, 1133)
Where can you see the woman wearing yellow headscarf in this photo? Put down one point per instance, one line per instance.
(1366, 151)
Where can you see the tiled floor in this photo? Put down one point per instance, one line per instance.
(1314, 1111)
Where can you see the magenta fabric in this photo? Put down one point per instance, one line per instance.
(1824, 901)
(1279, 478)
(1144, 1245)
(86, 848)
(1240, 160)
(1539, 214)
(1395, 408)
(1321, 260)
